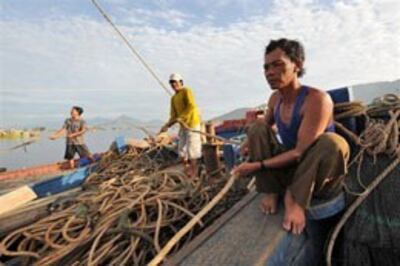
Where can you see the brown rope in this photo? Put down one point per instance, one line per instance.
(190, 225)
(223, 140)
(355, 205)
(378, 138)
(129, 209)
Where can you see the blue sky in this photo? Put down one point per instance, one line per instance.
(55, 54)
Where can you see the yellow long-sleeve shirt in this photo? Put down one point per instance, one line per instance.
(184, 108)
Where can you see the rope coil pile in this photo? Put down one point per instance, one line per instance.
(380, 137)
(130, 209)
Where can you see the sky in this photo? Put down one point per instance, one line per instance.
(55, 54)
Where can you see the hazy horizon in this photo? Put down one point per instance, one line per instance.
(55, 54)
(359, 91)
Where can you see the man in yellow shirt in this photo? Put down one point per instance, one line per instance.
(185, 112)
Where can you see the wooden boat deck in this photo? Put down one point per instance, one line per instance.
(246, 236)
(243, 236)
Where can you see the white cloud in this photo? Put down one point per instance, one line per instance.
(140, 16)
(76, 59)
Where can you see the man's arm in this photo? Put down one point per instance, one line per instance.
(60, 132)
(84, 128)
(57, 134)
(172, 118)
(269, 112)
(78, 133)
(317, 115)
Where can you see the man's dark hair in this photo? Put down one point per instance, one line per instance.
(292, 48)
(78, 109)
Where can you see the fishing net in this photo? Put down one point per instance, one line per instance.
(372, 233)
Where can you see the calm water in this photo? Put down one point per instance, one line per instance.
(46, 151)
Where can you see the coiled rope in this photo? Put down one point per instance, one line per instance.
(378, 138)
(130, 209)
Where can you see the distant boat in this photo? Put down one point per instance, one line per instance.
(26, 175)
(18, 134)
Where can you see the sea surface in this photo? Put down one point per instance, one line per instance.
(45, 151)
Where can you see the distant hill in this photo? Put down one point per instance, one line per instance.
(124, 121)
(362, 92)
(368, 92)
(121, 122)
(235, 114)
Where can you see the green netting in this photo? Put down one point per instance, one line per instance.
(372, 235)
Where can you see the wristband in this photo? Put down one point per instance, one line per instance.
(263, 167)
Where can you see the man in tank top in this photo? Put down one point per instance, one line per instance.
(74, 129)
(310, 160)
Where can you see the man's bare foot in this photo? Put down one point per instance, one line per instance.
(187, 170)
(71, 164)
(190, 173)
(186, 167)
(269, 203)
(295, 219)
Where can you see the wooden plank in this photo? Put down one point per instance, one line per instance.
(209, 231)
(248, 237)
(16, 199)
(30, 212)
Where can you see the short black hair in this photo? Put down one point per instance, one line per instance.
(292, 48)
(78, 109)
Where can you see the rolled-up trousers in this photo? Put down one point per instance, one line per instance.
(317, 174)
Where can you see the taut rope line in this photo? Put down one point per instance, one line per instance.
(131, 48)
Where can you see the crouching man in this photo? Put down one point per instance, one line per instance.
(310, 160)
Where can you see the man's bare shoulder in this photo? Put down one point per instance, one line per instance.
(273, 99)
(317, 96)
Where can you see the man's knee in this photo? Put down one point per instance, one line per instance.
(257, 128)
(332, 143)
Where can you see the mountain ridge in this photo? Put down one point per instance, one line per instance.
(365, 92)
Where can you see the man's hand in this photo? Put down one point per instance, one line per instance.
(246, 168)
(52, 137)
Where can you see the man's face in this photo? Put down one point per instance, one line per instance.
(175, 85)
(279, 70)
(74, 113)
